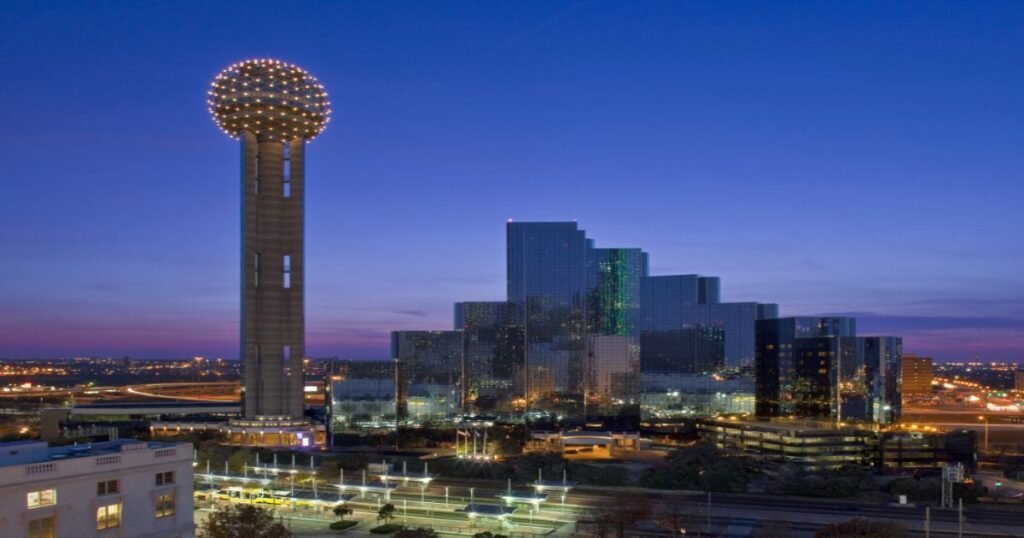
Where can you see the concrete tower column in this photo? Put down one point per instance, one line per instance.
(273, 325)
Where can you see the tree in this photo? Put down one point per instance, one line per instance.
(488, 534)
(341, 511)
(860, 527)
(386, 513)
(239, 459)
(676, 518)
(245, 520)
(416, 533)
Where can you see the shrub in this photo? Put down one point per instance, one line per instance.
(386, 529)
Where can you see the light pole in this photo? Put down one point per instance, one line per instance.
(985, 420)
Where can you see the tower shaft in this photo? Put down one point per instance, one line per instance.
(273, 324)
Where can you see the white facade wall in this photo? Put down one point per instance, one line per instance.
(75, 479)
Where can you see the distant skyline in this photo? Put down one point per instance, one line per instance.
(836, 158)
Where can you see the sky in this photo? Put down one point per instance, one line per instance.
(833, 157)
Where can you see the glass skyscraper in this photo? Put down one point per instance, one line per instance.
(614, 282)
(494, 369)
(547, 278)
(429, 368)
(613, 381)
(797, 365)
(870, 385)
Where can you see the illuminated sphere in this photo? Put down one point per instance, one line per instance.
(274, 100)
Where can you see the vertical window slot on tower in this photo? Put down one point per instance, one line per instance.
(286, 355)
(287, 271)
(287, 175)
(256, 181)
(256, 270)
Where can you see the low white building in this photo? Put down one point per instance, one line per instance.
(121, 489)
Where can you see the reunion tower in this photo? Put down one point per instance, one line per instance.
(274, 108)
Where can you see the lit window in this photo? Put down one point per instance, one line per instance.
(165, 505)
(287, 271)
(108, 517)
(46, 497)
(43, 528)
(163, 479)
(108, 487)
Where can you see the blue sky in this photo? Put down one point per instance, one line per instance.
(833, 157)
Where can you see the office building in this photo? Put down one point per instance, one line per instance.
(796, 365)
(906, 451)
(810, 444)
(681, 395)
(1018, 381)
(274, 108)
(870, 384)
(360, 396)
(691, 350)
(674, 302)
(547, 278)
(494, 374)
(737, 322)
(613, 381)
(117, 488)
(614, 289)
(428, 379)
(916, 375)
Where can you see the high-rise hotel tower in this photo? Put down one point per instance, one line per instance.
(273, 108)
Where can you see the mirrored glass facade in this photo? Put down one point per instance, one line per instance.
(495, 374)
(429, 375)
(871, 379)
(547, 278)
(361, 396)
(614, 282)
(613, 381)
(797, 365)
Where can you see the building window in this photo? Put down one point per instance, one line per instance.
(287, 175)
(46, 497)
(162, 479)
(256, 270)
(287, 271)
(256, 183)
(165, 505)
(45, 527)
(108, 487)
(108, 517)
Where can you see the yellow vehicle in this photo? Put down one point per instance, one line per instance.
(205, 495)
(269, 499)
